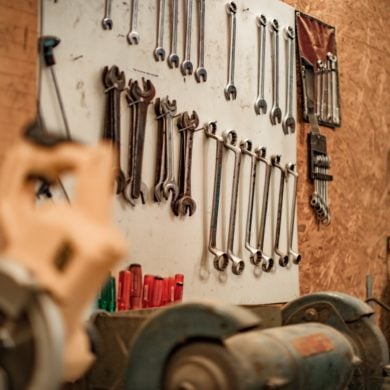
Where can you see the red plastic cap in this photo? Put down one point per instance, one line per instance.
(124, 287)
(136, 286)
(179, 278)
(179, 292)
(147, 291)
(158, 288)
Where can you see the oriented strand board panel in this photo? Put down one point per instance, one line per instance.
(338, 257)
(162, 243)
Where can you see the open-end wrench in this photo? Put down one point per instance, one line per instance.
(159, 51)
(133, 35)
(335, 117)
(230, 142)
(230, 89)
(288, 123)
(161, 151)
(261, 103)
(186, 203)
(295, 256)
(169, 186)
(201, 72)
(267, 261)
(107, 21)
(187, 66)
(221, 259)
(318, 82)
(324, 92)
(276, 112)
(329, 108)
(283, 259)
(255, 253)
(173, 58)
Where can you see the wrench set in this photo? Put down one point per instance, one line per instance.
(224, 256)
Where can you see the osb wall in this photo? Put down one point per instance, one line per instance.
(337, 257)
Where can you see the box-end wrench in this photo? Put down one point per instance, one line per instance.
(261, 103)
(186, 66)
(294, 256)
(283, 257)
(288, 123)
(201, 72)
(267, 261)
(161, 152)
(276, 112)
(107, 21)
(159, 51)
(230, 89)
(133, 35)
(173, 58)
(230, 142)
(221, 259)
(255, 254)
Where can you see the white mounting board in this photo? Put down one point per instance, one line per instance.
(162, 243)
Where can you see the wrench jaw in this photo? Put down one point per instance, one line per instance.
(288, 124)
(267, 262)
(107, 23)
(133, 38)
(275, 115)
(230, 92)
(159, 54)
(255, 255)
(186, 67)
(173, 60)
(201, 74)
(260, 106)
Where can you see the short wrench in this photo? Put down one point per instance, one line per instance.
(159, 51)
(283, 259)
(261, 103)
(255, 253)
(107, 21)
(201, 72)
(133, 36)
(173, 58)
(288, 123)
(290, 169)
(221, 259)
(276, 112)
(186, 66)
(268, 261)
(230, 89)
(230, 142)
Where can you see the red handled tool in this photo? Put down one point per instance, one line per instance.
(147, 291)
(136, 286)
(157, 291)
(124, 290)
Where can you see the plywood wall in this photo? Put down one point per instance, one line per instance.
(337, 257)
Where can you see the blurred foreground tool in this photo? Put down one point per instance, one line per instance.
(54, 259)
(107, 297)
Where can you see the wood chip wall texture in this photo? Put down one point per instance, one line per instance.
(337, 257)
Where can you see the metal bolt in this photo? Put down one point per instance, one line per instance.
(310, 315)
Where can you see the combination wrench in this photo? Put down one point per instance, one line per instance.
(230, 89)
(290, 169)
(255, 253)
(318, 82)
(267, 261)
(221, 259)
(133, 35)
(159, 51)
(187, 66)
(276, 112)
(161, 159)
(230, 142)
(335, 116)
(173, 58)
(288, 123)
(261, 103)
(283, 258)
(107, 21)
(201, 72)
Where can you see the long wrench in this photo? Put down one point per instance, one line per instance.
(159, 51)
(268, 261)
(133, 35)
(230, 89)
(288, 123)
(283, 259)
(201, 72)
(276, 112)
(107, 21)
(335, 105)
(261, 103)
(187, 66)
(161, 151)
(230, 142)
(255, 253)
(173, 58)
(295, 256)
(221, 259)
(318, 82)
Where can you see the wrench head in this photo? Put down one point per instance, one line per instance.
(170, 187)
(231, 8)
(275, 115)
(158, 192)
(295, 257)
(221, 260)
(238, 265)
(107, 24)
(143, 193)
(268, 263)
(290, 32)
(201, 74)
(186, 67)
(120, 182)
(255, 257)
(260, 106)
(133, 38)
(230, 92)
(284, 260)
(261, 20)
(173, 60)
(288, 125)
(159, 54)
(184, 204)
(146, 93)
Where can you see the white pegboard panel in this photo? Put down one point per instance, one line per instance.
(161, 242)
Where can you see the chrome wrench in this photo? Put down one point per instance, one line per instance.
(159, 51)
(133, 35)
(107, 21)
(261, 103)
(276, 112)
(173, 58)
(187, 66)
(201, 72)
(230, 89)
